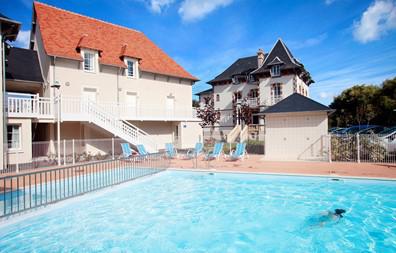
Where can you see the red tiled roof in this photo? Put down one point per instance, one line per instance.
(63, 32)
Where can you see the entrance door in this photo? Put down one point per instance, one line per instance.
(170, 106)
(88, 96)
(131, 102)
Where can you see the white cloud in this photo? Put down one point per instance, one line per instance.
(191, 10)
(22, 39)
(376, 21)
(157, 6)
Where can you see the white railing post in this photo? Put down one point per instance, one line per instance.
(358, 147)
(73, 150)
(64, 152)
(329, 140)
(112, 147)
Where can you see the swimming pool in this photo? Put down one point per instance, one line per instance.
(198, 212)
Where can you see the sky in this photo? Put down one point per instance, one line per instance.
(341, 42)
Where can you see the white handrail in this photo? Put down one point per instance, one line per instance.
(108, 121)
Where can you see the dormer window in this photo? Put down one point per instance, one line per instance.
(89, 61)
(275, 70)
(131, 70)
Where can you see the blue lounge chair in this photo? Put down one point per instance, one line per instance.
(238, 153)
(191, 153)
(216, 152)
(126, 150)
(141, 149)
(171, 152)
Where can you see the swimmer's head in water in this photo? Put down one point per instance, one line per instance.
(339, 212)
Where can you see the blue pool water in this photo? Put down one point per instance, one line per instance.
(197, 212)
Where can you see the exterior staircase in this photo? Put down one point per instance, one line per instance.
(234, 134)
(106, 120)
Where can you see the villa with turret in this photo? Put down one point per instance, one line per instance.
(259, 81)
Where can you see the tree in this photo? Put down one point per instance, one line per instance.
(355, 106)
(366, 104)
(246, 112)
(208, 114)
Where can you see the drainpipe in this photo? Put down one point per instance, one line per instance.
(3, 148)
(56, 86)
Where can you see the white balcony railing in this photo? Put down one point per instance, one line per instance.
(272, 100)
(252, 102)
(29, 106)
(74, 107)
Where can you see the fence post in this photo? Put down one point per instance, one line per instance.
(358, 147)
(329, 148)
(64, 152)
(112, 147)
(73, 151)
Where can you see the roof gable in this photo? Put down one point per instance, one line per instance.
(296, 103)
(64, 32)
(279, 54)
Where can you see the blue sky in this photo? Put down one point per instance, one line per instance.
(341, 42)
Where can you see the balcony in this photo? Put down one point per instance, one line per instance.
(22, 105)
(272, 100)
(73, 109)
(252, 102)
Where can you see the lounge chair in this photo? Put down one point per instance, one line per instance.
(216, 152)
(171, 152)
(192, 153)
(126, 150)
(141, 149)
(239, 153)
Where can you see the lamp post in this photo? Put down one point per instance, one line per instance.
(56, 86)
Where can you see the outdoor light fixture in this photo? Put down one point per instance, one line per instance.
(56, 85)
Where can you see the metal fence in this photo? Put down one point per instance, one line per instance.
(30, 190)
(254, 142)
(369, 148)
(75, 151)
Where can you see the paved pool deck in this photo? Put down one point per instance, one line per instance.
(256, 164)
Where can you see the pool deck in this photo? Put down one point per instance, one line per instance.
(256, 164)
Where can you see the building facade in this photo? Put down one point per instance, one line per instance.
(98, 80)
(256, 82)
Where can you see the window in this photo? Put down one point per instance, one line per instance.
(89, 61)
(217, 97)
(253, 93)
(276, 90)
(275, 70)
(131, 69)
(14, 136)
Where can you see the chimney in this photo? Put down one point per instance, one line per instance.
(260, 57)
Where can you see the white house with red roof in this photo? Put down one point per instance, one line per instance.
(100, 80)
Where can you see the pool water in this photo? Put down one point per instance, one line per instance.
(198, 212)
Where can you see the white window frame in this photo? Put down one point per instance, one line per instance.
(135, 68)
(94, 60)
(275, 70)
(19, 141)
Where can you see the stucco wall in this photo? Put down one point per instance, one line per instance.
(191, 133)
(112, 85)
(295, 136)
(24, 153)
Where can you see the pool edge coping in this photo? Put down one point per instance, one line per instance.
(282, 174)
